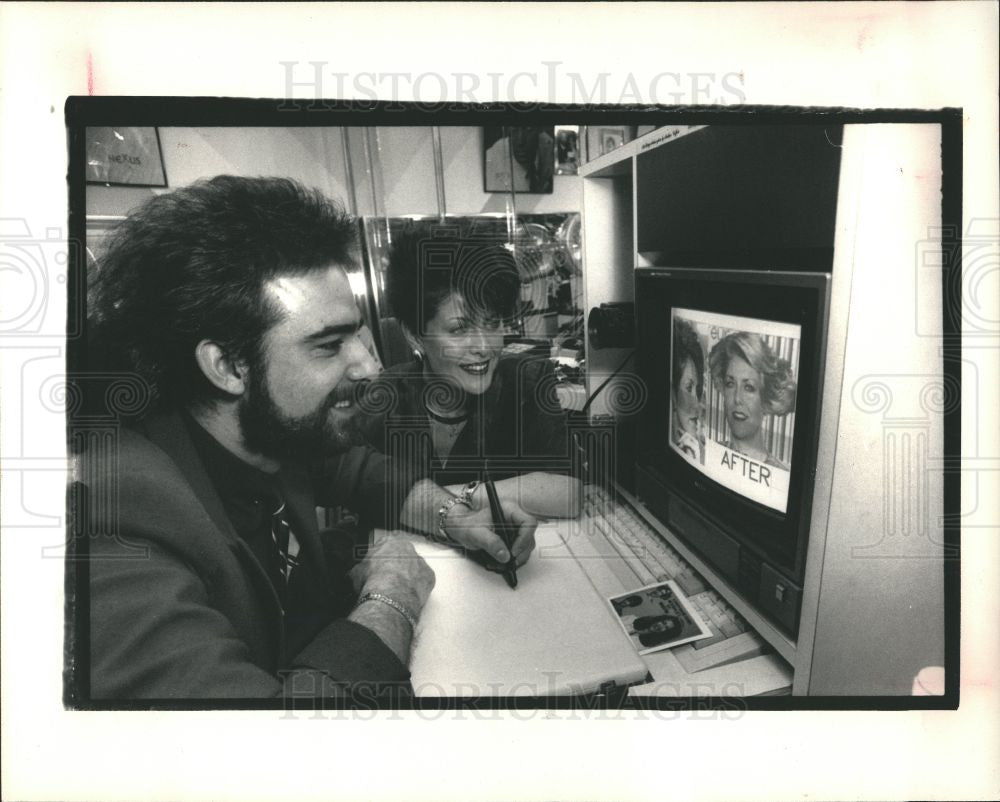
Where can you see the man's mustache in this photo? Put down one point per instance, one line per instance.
(357, 393)
(369, 396)
(353, 391)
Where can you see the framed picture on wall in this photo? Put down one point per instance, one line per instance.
(526, 153)
(602, 139)
(567, 149)
(125, 156)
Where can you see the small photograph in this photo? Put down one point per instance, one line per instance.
(567, 149)
(610, 138)
(602, 139)
(658, 617)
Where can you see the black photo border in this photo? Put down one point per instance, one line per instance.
(81, 112)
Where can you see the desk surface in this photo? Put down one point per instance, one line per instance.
(554, 635)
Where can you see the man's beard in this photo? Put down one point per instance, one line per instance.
(268, 431)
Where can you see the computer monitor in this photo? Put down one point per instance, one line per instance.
(732, 362)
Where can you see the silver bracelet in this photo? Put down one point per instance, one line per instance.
(395, 605)
(443, 514)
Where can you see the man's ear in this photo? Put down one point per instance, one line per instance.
(224, 372)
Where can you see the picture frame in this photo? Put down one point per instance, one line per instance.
(526, 151)
(603, 139)
(567, 149)
(124, 156)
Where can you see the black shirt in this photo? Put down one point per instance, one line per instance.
(515, 427)
(311, 597)
(249, 497)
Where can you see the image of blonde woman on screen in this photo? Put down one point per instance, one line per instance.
(754, 383)
(687, 388)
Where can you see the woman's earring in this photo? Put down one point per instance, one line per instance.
(418, 355)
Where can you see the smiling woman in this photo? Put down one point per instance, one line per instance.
(462, 407)
(754, 382)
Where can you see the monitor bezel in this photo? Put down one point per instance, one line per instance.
(732, 512)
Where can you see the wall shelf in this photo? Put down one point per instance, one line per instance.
(619, 161)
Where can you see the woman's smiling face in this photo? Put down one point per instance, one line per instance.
(744, 410)
(461, 348)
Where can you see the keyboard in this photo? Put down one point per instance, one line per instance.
(645, 559)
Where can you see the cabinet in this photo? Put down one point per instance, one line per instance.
(873, 612)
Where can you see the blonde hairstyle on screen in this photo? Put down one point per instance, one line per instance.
(779, 385)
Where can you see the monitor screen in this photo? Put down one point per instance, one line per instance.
(732, 363)
(731, 403)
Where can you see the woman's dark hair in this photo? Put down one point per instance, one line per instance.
(629, 601)
(686, 347)
(656, 637)
(779, 385)
(190, 265)
(429, 262)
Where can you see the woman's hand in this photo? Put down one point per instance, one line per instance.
(536, 494)
(474, 529)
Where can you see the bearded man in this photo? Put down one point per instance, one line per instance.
(230, 300)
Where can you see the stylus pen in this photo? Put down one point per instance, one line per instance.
(506, 532)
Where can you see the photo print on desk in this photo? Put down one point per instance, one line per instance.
(658, 617)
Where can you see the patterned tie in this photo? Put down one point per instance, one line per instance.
(284, 541)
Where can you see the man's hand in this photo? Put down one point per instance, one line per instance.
(472, 528)
(393, 568)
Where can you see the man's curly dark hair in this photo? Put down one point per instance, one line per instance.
(190, 265)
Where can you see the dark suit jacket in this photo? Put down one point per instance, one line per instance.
(179, 606)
